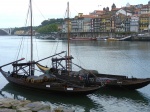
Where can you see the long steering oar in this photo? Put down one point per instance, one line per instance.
(12, 62)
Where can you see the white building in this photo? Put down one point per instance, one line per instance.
(121, 11)
(134, 24)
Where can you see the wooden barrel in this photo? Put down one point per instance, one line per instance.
(34, 79)
(44, 77)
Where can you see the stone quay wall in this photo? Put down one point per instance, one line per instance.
(12, 105)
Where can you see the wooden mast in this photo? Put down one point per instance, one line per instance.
(68, 28)
(31, 31)
(31, 67)
(68, 24)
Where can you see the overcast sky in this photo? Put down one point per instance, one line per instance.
(13, 13)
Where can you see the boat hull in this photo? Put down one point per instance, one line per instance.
(52, 87)
(60, 90)
(123, 82)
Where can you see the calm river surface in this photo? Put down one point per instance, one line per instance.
(120, 57)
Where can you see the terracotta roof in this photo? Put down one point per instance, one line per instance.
(88, 16)
(97, 12)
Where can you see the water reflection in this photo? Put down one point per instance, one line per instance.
(124, 94)
(79, 103)
(120, 101)
(102, 100)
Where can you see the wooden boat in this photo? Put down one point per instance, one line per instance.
(55, 86)
(110, 81)
(23, 75)
(125, 38)
(44, 82)
(120, 39)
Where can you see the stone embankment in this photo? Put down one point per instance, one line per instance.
(12, 105)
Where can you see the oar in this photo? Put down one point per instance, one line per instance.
(12, 62)
(50, 56)
(31, 62)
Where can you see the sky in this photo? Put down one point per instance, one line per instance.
(13, 13)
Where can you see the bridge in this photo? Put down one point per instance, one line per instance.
(5, 31)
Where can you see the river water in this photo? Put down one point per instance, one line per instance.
(116, 57)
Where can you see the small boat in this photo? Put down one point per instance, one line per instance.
(23, 75)
(125, 38)
(120, 39)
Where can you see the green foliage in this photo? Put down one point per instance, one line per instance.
(50, 25)
(52, 21)
(48, 28)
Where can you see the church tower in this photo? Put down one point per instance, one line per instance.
(113, 6)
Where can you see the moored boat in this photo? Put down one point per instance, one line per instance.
(44, 82)
(52, 86)
(126, 38)
(110, 81)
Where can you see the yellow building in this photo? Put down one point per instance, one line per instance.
(144, 22)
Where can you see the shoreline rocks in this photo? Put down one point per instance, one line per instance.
(13, 105)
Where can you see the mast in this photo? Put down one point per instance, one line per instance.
(31, 67)
(31, 31)
(68, 24)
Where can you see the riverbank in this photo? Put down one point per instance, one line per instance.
(12, 105)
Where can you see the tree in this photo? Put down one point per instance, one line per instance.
(45, 22)
(48, 28)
